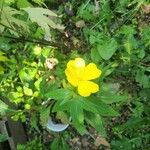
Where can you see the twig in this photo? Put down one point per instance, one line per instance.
(36, 41)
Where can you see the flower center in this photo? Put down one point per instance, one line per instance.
(79, 63)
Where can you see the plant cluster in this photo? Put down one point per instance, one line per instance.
(83, 63)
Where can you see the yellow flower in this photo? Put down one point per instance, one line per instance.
(78, 75)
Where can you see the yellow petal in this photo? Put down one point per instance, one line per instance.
(72, 77)
(70, 64)
(86, 88)
(75, 68)
(77, 63)
(91, 72)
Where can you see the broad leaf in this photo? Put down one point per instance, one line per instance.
(107, 48)
(3, 137)
(59, 94)
(95, 55)
(27, 91)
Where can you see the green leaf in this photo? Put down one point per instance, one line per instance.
(4, 108)
(59, 144)
(76, 113)
(44, 115)
(95, 55)
(143, 79)
(87, 105)
(23, 4)
(109, 97)
(96, 121)
(145, 35)
(2, 57)
(55, 144)
(102, 108)
(27, 91)
(107, 48)
(59, 94)
(46, 86)
(44, 18)
(8, 19)
(24, 76)
(1, 70)
(3, 137)
(62, 105)
(39, 2)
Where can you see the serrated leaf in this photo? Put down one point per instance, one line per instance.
(59, 144)
(55, 144)
(87, 105)
(8, 19)
(44, 115)
(59, 94)
(107, 48)
(109, 98)
(45, 86)
(76, 113)
(96, 121)
(44, 18)
(102, 108)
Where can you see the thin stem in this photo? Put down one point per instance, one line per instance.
(35, 41)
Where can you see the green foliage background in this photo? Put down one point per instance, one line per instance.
(114, 34)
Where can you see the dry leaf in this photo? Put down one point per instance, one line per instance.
(101, 141)
(146, 9)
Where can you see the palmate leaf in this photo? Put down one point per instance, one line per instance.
(102, 108)
(44, 18)
(9, 20)
(44, 115)
(77, 115)
(96, 121)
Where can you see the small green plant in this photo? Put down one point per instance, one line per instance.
(82, 63)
